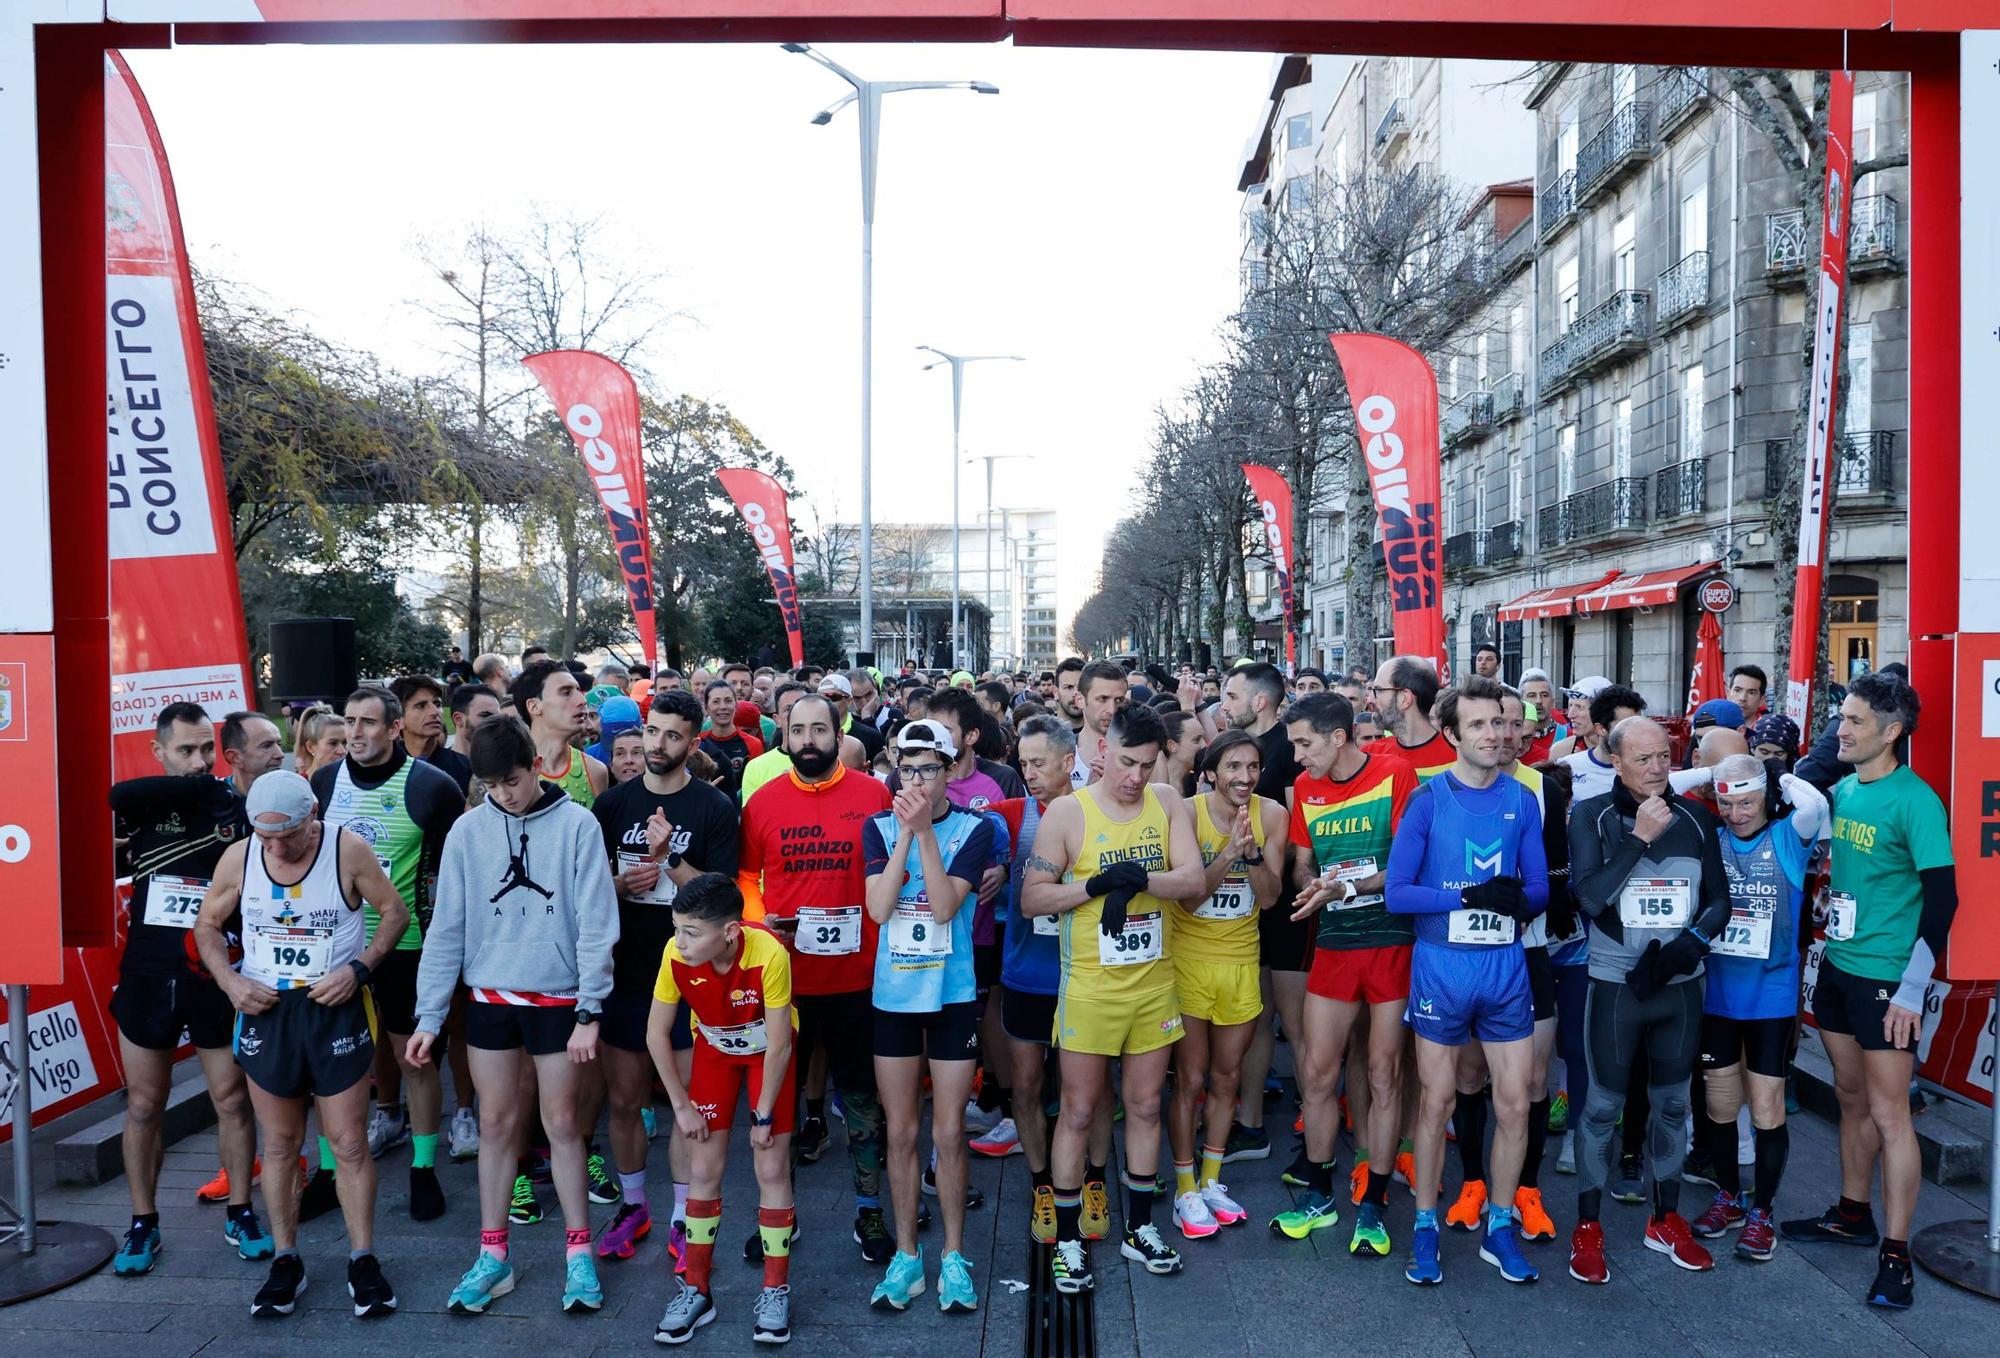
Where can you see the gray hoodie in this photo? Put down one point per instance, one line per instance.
(522, 903)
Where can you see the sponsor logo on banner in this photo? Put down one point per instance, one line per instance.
(57, 1064)
(136, 699)
(1989, 699)
(159, 501)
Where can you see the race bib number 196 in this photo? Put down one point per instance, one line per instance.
(292, 957)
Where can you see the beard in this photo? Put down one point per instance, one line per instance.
(812, 760)
(661, 765)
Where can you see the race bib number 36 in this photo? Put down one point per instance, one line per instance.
(829, 931)
(1141, 940)
(1656, 903)
(741, 1039)
(174, 901)
(1488, 928)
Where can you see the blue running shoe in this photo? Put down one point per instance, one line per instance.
(903, 1281)
(955, 1294)
(580, 1289)
(1424, 1269)
(252, 1241)
(1502, 1249)
(136, 1255)
(487, 1279)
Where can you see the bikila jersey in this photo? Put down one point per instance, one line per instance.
(1753, 965)
(1452, 837)
(1349, 825)
(1031, 961)
(1221, 927)
(704, 821)
(402, 809)
(1429, 759)
(920, 964)
(176, 829)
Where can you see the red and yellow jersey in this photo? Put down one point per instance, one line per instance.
(1348, 825)
(758, 980)
(1429, 759)
(800, 859)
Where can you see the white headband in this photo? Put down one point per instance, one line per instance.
(1756, 784)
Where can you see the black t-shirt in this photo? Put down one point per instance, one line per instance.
(704, 822)
(459, 672)
(177, 830)
(730, 756)
(1281, 768)
(447, 760)
(872, 740)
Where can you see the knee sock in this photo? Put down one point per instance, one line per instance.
(1069, 1213)
(680, 1203)
(1718, 1142)
(326, 1155)
(1538, 1143)
(1139, 1195)
(494, 1243)
(1211, 1164)
(576, 1242)
(632, 1187)
(1471, 1117)
(816, 1108)
(423, 1151)
(774, 1228)
(704, 1215)
(1184, 1176)
(1774, 1145)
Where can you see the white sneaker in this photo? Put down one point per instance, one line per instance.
(1225, 1209)
(1566, 1161)
(385, 1132)
(979, 1119)
(1003, 1139)
(464, 1135)
(1191, 1214)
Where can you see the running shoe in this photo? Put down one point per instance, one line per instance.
(1225, 1209)
(318, 1196)
(1274, 1088)
(217, 1189)
(1501, 1247)
(1670, 1236)
(811, 1142)
(621, 1238)
(426, 1194)
(138, 1253)
(1698, 1168)
(487, 1279)
(1470, 1210)
(1297, 1174)
(1531, 1216)
(1245, 1143)
(1566, 1157)
(1831, 1227)
(1371, 1238)
(1586, 1253)
(385, 1132)
(1358, 1178)
(871, 1232)
(1042, 1219)
(979, 1119)
(771, 1316)
(1423, 1268)
(975, 1197)
(903, 1281)
(677, 1245)
(581, 1291)
(603, 1188)
(955, 1293)
(368, 1289)
(524, 1210)
(1095, 1222)
(464, 1140)
(282, 1289)
(252, 1241)
(687, 1312)
(1629, 1184)
(1003, 1139)
(540, 1169)
(1894, 1286)
(1723, 1215)
(1310, 1212)
(1406, 1171)
(1559, 1113)
(1145, 1248)
(1758, 1241)
(1191, 1214)
(1069, 1268)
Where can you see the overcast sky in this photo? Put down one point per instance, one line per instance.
(1085, 218)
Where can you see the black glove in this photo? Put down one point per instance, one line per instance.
(1501, 895)
(1562, 906)
(1681, 955)
(1112, 920)
(1644, 980)
(1125, 875)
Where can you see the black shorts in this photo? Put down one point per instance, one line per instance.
(544, 1029)
(625, 1019)
(1283, 943)
(987, 959)
(1852, 1005)
(947, 1034)
(151, 1011)
(1541, 983)
(843, 1026)
(299, 1046)
(395, 987)
(1764, 1045)
(1027, 1017)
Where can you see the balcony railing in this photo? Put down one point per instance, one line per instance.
(1679, 91)
(1785, 242)
(1680, 488)
(1619, 327)
(1684, 289)
(1552, 526)
(1871, 232)
(1461, 551)
(1394, 126)
(1622, 142)
(1510, 398)
(1503, 543)
(1865, 462)
(1615, 506)
(1558, 203)
(1469, 417)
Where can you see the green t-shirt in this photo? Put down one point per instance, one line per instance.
(1884, 834)
(1351, 824)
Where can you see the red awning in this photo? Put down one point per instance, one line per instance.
(1554, 601)
(1641, 589)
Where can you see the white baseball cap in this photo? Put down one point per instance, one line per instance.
(927, 735)
(280, 801)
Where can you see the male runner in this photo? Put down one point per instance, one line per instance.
(526, 918)
(1893, 896)
(423, 700)
(661, 831)
(402, 809)
(547, 698)
(1102, 688)
(1538, 692)
(1241, 837)
(171, 830)
(472, 706)
(1646, 867)
(1747, 686)
(1403, 692)
(1125, 849)
(736, 979)
(306, 1022)
(1590, 772)
(1309, 680)
(1345, 806)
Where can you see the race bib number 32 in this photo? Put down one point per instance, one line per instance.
(829, 931)
(1141, 940)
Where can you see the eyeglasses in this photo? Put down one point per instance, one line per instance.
(1373, 689)
(921, 773)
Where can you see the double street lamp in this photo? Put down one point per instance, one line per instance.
(868, 95)
(958, 362)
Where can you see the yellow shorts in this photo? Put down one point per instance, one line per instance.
(1121, 1025)
(1218, 992)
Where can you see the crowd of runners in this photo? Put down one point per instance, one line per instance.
(994, 915)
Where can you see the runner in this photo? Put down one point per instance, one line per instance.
(1747, 686)
(1102, 688)
(423, 700)
(1345, 806)
(1126, 849)
(730, 747)
(472, 706)
(661, 831)
(319, 739)
(924, 859)
(1467, 863)
(1309, 680)
(1214, 948)
(402, 809)
(1893, 896)
(1486, 660)
(838, 689)
(1646, 867)
(1590, 771)
(1069, 704)
(548, 701)
(170, 831)
(1539, 692)
(306, 1019)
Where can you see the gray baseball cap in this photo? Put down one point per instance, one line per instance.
(280, 801)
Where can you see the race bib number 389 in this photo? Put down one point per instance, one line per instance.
(1141, 940)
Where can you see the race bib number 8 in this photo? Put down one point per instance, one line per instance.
(1487, 928)
(1141, 940)
(1842, 915)
(1231, 900)
(913, 931)
(292, 957)
(741, 1039)
(1656, 903)
(173, 902)
(829, 931)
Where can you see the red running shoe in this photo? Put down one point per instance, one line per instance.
(1758, 1241)
(1723, 1215)
(1586, 1253)
(1670, 1236)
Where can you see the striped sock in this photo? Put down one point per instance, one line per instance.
(1211, 1164)
(1184, 1176)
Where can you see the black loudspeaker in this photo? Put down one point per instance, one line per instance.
(312, 659)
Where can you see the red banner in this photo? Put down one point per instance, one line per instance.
(599, 405)
(1396, 418)
(1273, 495)
(761, 502)
(1809, 580)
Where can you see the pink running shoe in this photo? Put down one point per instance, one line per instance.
(621, 1238)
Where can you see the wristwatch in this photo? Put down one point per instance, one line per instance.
(361, 972)
(585, 1017)
(1258, 861)
(759, 1121)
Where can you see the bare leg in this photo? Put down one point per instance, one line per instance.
(1027, 1059)
(628, 1078)
(1083, 1089)
(283, 1123)
(1888, 1077)
(1860, 1142)
(1326, 1026)
(1190, 1078)
(1385, 1084)
(1437, 1078)
(148, 1075)
(343, 1121)
(899, 1084)
(951, 1086)
(235, 1128)
(1257, 1060)
(560, 1080)
(1512, 1064)
(497, 1078)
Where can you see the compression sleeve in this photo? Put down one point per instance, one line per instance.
(1933, 929)
(1534, 862)
(1809, 810)
(1402, 893)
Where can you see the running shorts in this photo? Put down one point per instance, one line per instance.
(152, 1012)
(1027, 1017)
(395, 987)
(1218, 992)
(1763, 1045)
(1283, 943)
(716, 1081)
(625, 1018)
(1361, 975)
(1457, 994)
(947, 1034)
(1852, 1005)
(544, 1029)
(300, 1047)
(1129, 1026)
(843, 1025)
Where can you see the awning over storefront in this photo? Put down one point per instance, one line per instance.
(1553, 601)
(1642, 589)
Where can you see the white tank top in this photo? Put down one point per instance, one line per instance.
(294, 935)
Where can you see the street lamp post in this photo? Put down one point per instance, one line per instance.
(958, 362)
(1013, 618)
(868, 94)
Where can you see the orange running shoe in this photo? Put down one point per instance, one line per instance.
(217, 1189)
(1406, 1168)
(1532, 1216)
(1360, 1179)
(1469, 1212)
